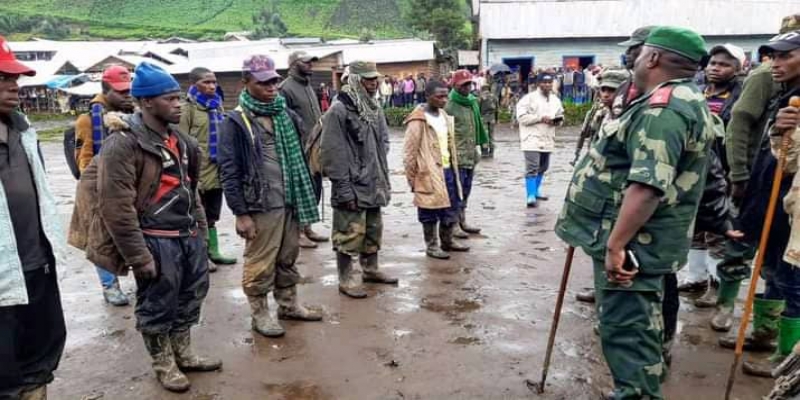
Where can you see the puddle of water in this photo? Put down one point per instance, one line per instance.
(399, 333)
(466, 340)
(329, 280)
(294, 391)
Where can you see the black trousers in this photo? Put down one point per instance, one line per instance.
(32, 336)
(670, 305)
(172, 301)
(212, 203)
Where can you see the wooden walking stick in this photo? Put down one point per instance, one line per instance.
(539, 386)
(762, 247)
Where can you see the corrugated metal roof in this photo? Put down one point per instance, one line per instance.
(468, 57)
(528, 19)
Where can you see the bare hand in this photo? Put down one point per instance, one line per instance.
(245, 227)
(547, 120)
(787, 119)
(734, 234)
(351, 205)
(615, 271)
(147, 271)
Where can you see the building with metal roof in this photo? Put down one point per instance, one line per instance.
(550, 33)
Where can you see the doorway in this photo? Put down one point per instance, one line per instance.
(523, 66)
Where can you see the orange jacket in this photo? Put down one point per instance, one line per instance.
(83, 135)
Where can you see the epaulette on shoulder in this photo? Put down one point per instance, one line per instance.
(661, 97)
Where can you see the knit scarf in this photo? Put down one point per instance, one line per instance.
(213, 106)
(481, 137)
(296, 179)
(368, 107)
(96, 115)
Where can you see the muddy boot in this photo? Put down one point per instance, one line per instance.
(305, 242)
(694, 279)
(350, 279)
(167, 372)
(766, 319)
(212, 267)
(262, 322)
(722, 321)
(467, 227)
(789, 336)
(290, 309)
(709, 298)
(314, 236)
(586, 296)
(213, 250)
(114, 295)
(184, 356)
(446, 234)
(531, 188)
(369, 262)
(37, 393)
(432, 248)
(459, 233)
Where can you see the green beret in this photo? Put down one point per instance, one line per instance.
(678, 40)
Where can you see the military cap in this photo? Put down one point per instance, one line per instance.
(678, 40)
(364, 69)
(790, 23)
(613, 78)
(637, 37)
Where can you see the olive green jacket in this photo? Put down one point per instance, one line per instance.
(194, 122)
(466, 146)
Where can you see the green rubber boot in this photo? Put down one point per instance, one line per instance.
(722, 321)
(766, 319)
(213, 249)
(789, 336)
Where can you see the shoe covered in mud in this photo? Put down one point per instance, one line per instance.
(37, 393)
(447, 233)
(432, 248)
(114, 295)
(212, 266)
(214, 253)
(167, 372)
(788, 337)
(353, 292)
(314, 236)
(350, 277)
(305, 242)
(185, 357)
(693, 287)
(760, 367)
(466, 227)
(766, 322)
(722, 321)
(586, 296)
(262, 321)
(709, 298)
(290, 309)
(369, 262)
(459, 233)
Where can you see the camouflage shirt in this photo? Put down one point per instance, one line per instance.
(662, 141)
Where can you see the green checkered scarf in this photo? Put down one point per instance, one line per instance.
(296, 179)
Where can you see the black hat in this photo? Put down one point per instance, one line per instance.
(785, 42)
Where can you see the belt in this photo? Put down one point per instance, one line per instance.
(170, 233)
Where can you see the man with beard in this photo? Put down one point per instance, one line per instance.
(301, 98)
(355, 141)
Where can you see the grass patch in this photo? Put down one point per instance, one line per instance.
(51, 135)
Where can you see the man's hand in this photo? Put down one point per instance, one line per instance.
(615, 271)
(245, 227)
(737, 192)
(734, 234)
(547, 120)
(787, 120)
(577, 157)
(351, 205)
(145, 272)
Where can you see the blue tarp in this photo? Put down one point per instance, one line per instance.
(64, 81)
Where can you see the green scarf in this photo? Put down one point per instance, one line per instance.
(296, 179)
(481, 137)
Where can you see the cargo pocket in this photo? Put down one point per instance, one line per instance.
(422, 183)
(582, 219)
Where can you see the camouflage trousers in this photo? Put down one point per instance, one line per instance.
(357, 232)
(631, 333)
(269, 258)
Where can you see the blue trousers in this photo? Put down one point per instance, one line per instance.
(107, 279)
(465, 176)
(446, 216)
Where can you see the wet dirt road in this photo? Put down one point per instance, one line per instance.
(473, 327)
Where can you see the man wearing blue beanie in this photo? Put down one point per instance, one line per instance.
(147, 197)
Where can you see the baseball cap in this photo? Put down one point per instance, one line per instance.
(301, 56)
(8, 61)
(732, 50)
(461, 77)
(637, 37)
(364, 69)
(261, 67)
(118, 77)
(785, 42)
(544, 77)
(682, 41)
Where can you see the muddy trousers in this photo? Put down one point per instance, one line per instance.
(446, 216)
(269, 259)
(32, 336)
(357, 232)
(631, 333)
(172, 301)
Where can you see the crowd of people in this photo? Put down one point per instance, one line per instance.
(675, 175)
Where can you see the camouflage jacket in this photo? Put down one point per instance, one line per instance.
(591, 124)
(662, 141)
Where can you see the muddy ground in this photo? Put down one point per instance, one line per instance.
(473, 327)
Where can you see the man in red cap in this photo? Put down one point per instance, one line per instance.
(90, 130)
(470, 134)
(32, 331)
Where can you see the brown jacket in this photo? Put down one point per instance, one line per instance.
(84, 140)
(422, 158)
(109, 230)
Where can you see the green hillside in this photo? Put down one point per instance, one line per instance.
(132, 19)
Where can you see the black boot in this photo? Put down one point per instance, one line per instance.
(446, 235)
(432, 248)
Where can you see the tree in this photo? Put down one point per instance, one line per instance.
(268, 24)
(366, 35)
(445, 20)
(52, 28)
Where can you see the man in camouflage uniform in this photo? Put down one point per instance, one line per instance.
(610, 81)
(653, 156)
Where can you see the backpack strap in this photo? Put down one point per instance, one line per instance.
(247, 123)
(96, 115)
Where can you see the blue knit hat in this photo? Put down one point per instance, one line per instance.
(152, 81)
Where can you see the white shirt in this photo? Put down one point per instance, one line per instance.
(439, 125)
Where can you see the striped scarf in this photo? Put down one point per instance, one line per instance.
(96, 115)
(296, 178)
(213, 106)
